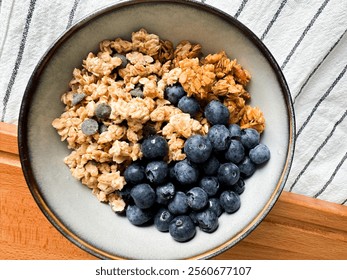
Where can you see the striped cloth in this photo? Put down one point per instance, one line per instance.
(307, 38)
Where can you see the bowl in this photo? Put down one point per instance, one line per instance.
(71, 207)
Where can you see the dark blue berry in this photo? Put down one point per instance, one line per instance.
(250, 138)
(210, 185)
(138, 216)
(230, 201)
(235, 152)
(197, 148)
(154, 147)
(77, 98)
(103, 128)
(214, 205)
(90, 127)
(217, 113)
(219, 137)
(137, 92)
(228, 174)
(259, 154)
(210, 167)
(247, 167)
(197, 198)
(165, 193)
(182, 228)
(239, 187)
(235, 131)
(207, 220)
(174, 93)
(123, 58)
(143, 196)
(156, 171)
(186, 172)
(103, 111)
(134, 173)
(163, 219)
(189, 105)
(178, 205)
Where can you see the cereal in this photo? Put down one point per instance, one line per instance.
(117, 98)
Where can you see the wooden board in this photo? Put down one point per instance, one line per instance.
(298, 227)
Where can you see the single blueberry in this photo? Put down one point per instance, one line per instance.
(230, 201)
(197, 148)
(210, 167)
(228, 174)
(207, 220)
(163, 219)
(235, 152)
(186, 172)
(210, 185)
(189, 105)
(250, 138)
(156, 171)
(178, 205)
(197, 198)
(154, 147)
(90, 127)
(148, 130)
(123, 58)
(103, 128)
(138, 216)
(235, 131)
(259, 154)
(134, 173)
(174, 93)
(214, 205)
(165, 193)
(219, 137)
(239, 187)
(137, 92)
(77, 98)
(182, 228)
(217, 113)
(103, 111)
(247, 167)
(143, 196)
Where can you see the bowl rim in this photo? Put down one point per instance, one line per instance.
(30, 91)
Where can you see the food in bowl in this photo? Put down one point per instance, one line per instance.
(162, 133)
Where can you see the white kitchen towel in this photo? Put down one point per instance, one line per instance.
(307, 38)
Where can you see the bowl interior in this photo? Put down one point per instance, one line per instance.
(72, 208)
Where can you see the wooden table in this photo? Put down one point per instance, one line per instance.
(298, 227)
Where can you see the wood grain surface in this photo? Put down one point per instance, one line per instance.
(298, 227)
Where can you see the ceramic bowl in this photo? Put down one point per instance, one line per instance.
(71, 207)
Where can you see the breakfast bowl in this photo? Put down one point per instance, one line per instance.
(70, 206)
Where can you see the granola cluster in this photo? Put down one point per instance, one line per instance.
(134, 88)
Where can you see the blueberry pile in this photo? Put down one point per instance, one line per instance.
(182, 196)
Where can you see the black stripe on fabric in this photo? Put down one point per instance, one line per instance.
(318, 150)
(326, 94)
(274, 18)
(243, 4)
(344, 202)
(72, 13)
(319, 64)
(321, 8)
(19, 58)
(331, 177)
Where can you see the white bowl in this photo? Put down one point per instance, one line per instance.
(71, 207)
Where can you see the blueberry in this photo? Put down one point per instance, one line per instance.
(90, 127)
(138, 216)
(148, 130)
(165, 193)
(197, 198)
(186, 172)
(134, 173)
(230, 201)
(228, 174)
(178, 205)
(247, 167)
(235, 131)
(143, 196)
(219, 137)
(259, 154)
(182, 228)
(77, 98)
(250, 138)
(239, 187)
(197, 148)
(174, 93)
(137, 92)
(210, 167)
(156, 171)
(103, 128)
(214, 205)
(235, 152)
(210, 185)
(189, 105)
(103, 111)
(217, 113)
(123, 58)
(163, 219)
(154, 147)
(207, 220)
